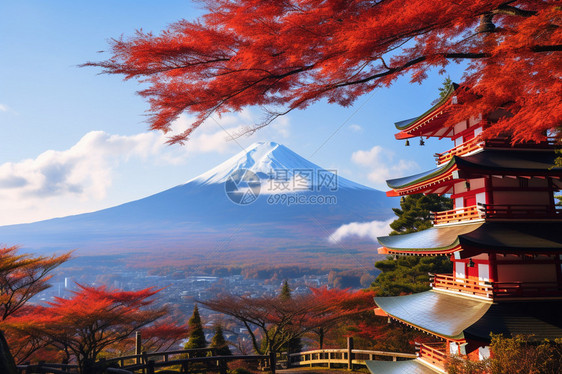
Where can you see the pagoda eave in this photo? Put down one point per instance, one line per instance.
(427, 178)
(441, 252)
(440, 314)
(486, 163)
(457, 318)
(433, 113)
(470, 239)
(435, 240)
(513, 163)
(432, 127)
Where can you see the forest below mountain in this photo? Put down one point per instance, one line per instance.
(273, 274)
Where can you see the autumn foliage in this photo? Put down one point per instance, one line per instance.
(22, 276)
(286, 55)
(92, 320)
(273, 322)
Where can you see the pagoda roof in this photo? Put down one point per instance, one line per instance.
(435, 312)
(457, 317)
(420, 177)
(435, 240)
(398, 367)
(431, 120)
(486, 162)
(538, 320)
(511, 162)
(474, 238)
(515, 237)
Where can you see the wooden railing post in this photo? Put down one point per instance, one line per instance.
(349, 353)
(138, 345)
(222, 366)
(101, 366)
(150, 367)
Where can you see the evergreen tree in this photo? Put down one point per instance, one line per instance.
(294, 345)
(196, 333)
(285, 293)
(443, 90)
(219, 342)
(414, 213)
(409, 274)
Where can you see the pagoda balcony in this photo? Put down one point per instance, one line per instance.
(495, 290)
(433, 353)
(460, 150)
(496, 211)
(477, 143)
(464, 286)
(463, 214)
(519, 211)
(548, 143)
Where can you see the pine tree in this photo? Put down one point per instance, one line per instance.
(285, 293)
(294, 345)
(414, 213)
(219, 342)
(196, 333)
(409, 274)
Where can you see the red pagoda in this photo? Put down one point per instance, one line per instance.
(504, 237)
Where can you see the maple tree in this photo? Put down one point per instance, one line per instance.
(288, 54)
(93, 319)
(339, 305)
(22, 276)
(163, 335)
(277, 321)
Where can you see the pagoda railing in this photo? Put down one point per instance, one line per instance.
(461, 285)
(477, 143)
(495, 290)
(519, 211)
(468, 213)
(526, 289)
(433, 353)
(462, 149)
(506, 143)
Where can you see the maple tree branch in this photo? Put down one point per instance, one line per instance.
(513, 11)
(410, 64)
(547, 48)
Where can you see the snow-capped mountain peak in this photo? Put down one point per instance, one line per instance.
(270, 160)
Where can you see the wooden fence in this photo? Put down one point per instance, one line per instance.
(341, 357)
(148, 363)
(204, 360)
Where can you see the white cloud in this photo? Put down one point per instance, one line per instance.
(370, 230)
(4, 108)
(71, 181)
(84, 170)
(355, 128)
(382, 164)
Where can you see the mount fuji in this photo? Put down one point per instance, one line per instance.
(265, 204)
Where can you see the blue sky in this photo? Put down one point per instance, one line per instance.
(74, 141)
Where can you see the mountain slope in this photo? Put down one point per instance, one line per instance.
(198, 220)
